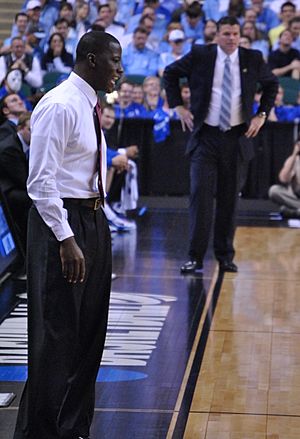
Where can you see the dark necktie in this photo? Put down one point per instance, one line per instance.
(97, 121)
(225, 111)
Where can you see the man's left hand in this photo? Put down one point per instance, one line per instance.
(254, 127)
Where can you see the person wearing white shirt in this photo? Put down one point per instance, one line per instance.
(69, 248)
(223, 79)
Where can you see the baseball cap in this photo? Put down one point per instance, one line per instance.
(32, 4)
(176, 35)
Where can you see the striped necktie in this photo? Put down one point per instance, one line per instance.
(97, 122)
(225, 111)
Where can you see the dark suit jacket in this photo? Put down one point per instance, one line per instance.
(13, 162)
(198, 67)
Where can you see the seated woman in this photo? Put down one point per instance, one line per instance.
(57, 59)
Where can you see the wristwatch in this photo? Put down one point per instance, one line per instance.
(262, 114)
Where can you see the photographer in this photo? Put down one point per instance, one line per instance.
(287, 194)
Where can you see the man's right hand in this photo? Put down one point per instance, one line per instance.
(72, 261)
(120, 163)
(186, 117)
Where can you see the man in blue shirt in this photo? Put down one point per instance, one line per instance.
(137, 58)
(126, 107)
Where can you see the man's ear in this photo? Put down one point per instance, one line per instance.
(92, 58)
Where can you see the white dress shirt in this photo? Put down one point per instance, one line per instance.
(63, 152)
(213, 115)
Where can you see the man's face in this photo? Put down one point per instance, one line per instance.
(108, 68)
(14, 106)
(186, 94)
(18, 48)
(105, 15)
(295, 29)
(138, 94)
(228, 37)
(67, 14)
(257, 5)
(63, 29)
(287, 13)
(21, 23)
(107, 118)
(125, 93)
(286, 38)
(34, 14)
(139, 40)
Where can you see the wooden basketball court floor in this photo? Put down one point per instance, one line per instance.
(205, 357)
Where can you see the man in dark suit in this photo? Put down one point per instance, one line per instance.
(14, 144)
(223, 80)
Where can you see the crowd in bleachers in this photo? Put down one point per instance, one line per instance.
(153, 33)
(41, 50)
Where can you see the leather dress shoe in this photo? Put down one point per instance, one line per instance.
(191, 267)
(228, 266)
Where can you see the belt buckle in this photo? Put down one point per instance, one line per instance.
(97, 204)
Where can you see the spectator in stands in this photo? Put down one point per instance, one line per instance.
(176, 41)
(164, 45)
(14, 171)
(266, 18)
(122, 191)
(185, 93)
(137, 94)
(147, 22)
(215, 9)
(160, 24)
(285, 61)
(82, 23)
(287, 193)
(19, 29)
(257, 42)
(192, 22)
(48, 16)
(209, 33)
(12, 83)
(152, 94)
(245, 41)
(250, 15)
(68, 33)
(66, 11)
(294, 27)
(36, 33)
(126, 107)
(57, 59)
(28, 64)
(114, 28)
(137, 58)
(11, 108)
(287, 12)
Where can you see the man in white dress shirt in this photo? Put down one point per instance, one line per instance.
(69, 249)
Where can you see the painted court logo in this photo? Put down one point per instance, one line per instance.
(134, 326)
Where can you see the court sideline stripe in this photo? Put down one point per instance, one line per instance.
(185, 394)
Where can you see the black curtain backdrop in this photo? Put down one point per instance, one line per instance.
(164, 168)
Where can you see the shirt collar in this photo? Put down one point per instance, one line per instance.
(84, 87)
(233, 57)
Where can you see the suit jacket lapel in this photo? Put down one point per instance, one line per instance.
(243, 71)
(210, 62)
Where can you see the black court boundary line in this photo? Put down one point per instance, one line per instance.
(192, 380)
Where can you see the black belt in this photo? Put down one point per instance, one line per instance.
(234, 128)
(90, 203)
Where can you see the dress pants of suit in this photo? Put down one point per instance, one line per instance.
(66, 328)
(214, 173)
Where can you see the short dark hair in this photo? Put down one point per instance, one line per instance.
(94, 41)
(287, 4)
(66, 5)
(20, 14)
(232, 21)
(194, 10)
(140, 29)
(61, 20)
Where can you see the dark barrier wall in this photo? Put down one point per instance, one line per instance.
(164, 168)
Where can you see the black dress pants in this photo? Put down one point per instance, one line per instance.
(66, 328)
(214, 174)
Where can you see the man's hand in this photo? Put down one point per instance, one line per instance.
(120, 163)
(186, 117)
(254, 127)
(132, 152)
(72, 261)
